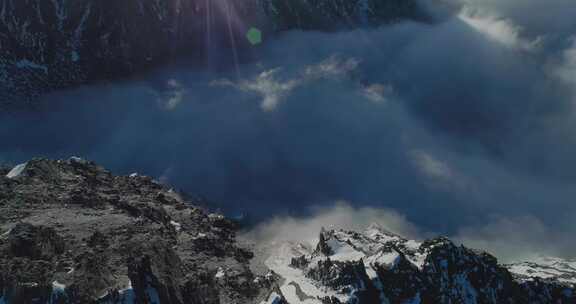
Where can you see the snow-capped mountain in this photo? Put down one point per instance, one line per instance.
(72, 232)
(46, 45)
(376, 266)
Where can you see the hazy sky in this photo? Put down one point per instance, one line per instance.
(464, 127)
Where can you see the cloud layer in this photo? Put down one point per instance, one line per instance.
(341, 215)
(513, 239)
(460, 124)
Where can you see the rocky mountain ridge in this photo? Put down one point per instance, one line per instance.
(49, 45)
(72, 232)
(376, 266)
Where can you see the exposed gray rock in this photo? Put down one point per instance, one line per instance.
(72, 232)
(38, 243)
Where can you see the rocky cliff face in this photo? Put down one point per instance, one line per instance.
(51, 44)
(71, 232)
(376, 266)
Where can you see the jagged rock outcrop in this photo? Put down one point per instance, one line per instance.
(72, 232)
(377, 266)
(52, 44)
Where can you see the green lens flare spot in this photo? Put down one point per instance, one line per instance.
(254, 36)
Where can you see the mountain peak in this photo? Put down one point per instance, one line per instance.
(376, 266)
(73, 232)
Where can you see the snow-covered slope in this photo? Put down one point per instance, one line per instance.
(376, 266)
(545, 268)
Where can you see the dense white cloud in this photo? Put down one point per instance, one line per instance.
(273, 90)
(565, 69)
(550, 17)
(510, 239)
(502, 31)
(333, 67)
(267, 85)
(341, 215)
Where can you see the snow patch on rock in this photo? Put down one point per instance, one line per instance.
(16, 171)
(545, 268)
(219, 273)
(176, 225)
(279, 262)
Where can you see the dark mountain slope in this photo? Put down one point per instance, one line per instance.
(52, 44)
(71, 232)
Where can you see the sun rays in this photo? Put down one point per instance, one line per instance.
(223, 24)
